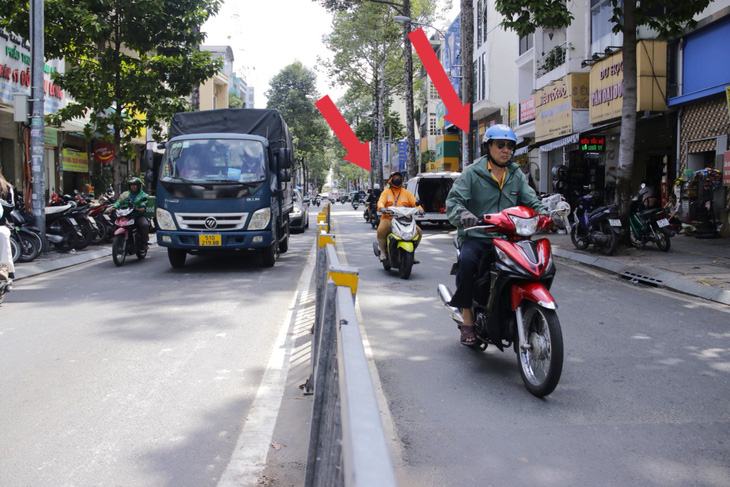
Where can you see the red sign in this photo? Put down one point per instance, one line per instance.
(726, 169)
(104, 152)
(527, 110)
(593, 143)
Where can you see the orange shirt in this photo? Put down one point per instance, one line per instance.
(396, 197)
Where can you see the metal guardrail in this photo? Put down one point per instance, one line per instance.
(347, 445)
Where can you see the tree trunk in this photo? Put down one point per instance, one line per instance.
(628, 114)
(380, 117)
(411, 163)
(467, 75)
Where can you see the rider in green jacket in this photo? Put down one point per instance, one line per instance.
(136, 198)
(489, 185)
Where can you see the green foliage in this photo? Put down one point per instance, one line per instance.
(234, 101)
(293, 92)
(129, 65)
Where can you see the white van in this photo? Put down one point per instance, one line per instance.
(431, 188)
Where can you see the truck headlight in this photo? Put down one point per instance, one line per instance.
(260, 219)
(164, 219)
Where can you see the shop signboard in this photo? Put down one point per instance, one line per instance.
(104, 152)
(15, 63)
(527, 109)
(513, 121)
(555, 104)
(593, 143)
(74, 161)
(726, 169)
(607, 82)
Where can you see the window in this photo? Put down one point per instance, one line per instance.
(483, 21)
(526, 43)
(432, 93)
(432, 125)
(602, 35)
(480, 28)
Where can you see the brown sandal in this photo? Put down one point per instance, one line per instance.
(468, 335)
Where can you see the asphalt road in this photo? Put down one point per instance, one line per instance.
(642, 400)
(142, 375)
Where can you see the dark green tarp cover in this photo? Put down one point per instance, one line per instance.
(266, 123)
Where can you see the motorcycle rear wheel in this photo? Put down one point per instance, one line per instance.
(88, 234)
(141, 251)
(610, 247)
(542, 363)
(14, 249)
(664, 242)
(580, 241)
(119, 250)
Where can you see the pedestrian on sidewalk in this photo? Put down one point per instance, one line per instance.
(7, 269)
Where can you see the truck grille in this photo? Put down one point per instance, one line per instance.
(200, 222)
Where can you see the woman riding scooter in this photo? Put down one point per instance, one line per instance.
(394, 195)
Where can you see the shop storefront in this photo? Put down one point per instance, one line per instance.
(703, 109)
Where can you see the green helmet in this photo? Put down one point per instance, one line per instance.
(136, 181)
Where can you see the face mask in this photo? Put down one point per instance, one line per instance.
(396, 182)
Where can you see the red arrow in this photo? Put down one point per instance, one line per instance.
(357, 153)
(458, 114)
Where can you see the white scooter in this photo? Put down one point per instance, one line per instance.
(559, 210)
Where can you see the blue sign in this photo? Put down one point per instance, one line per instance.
(402, 155)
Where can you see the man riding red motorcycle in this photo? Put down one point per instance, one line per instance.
(489, 185)
(136, 198)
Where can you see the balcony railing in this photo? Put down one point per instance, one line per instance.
(552, 59)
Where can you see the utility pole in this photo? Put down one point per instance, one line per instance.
(467, 76)
(38, 167)
(412, 165)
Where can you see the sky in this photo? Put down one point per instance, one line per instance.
(267, 36)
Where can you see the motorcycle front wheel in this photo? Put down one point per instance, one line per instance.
(141, 250)
(541, 358)
(406, 264)
(580, 241)
(119, 250)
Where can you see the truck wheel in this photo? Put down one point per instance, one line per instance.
(268, 255)
(177, 257)
(284, 243)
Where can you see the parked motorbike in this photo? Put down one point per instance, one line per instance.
(80, 213)
(401, 242)
(520, 311)
(127, 238)
(649, 225)
(559, 207)
(62, 230)
(598, 226)
(26, 236)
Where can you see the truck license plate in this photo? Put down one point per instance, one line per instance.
(207, 240)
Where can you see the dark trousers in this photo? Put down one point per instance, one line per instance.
(144, 227)
(472, 252)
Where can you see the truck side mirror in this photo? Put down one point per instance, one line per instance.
(284, 176)
(283, 158)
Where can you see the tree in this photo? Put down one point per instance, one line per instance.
(130, 65)
(234, 101)
(667, 18)
(293, 92)
(423, 10)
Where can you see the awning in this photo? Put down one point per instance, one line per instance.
(557, 144)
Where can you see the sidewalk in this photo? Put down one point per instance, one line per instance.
(693, 266)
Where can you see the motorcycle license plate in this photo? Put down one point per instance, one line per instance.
(662, 223)
(209, 240)
(614, 222)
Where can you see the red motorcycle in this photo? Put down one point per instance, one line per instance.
(520, 311)
(127, 237)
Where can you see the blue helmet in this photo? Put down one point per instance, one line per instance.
(499, 132)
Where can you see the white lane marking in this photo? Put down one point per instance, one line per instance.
(249, 457)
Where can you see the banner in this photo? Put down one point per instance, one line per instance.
(73, 161)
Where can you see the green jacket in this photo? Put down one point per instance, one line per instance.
(139, 200)
(477, 191)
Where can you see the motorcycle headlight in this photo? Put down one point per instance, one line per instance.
(260, 219)
(524, 226)
(409, 235)
(164, 219)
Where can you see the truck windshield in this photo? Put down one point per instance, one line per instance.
(214, 161)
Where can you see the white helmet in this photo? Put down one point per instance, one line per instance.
(376, 186)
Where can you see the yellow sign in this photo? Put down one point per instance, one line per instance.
(554, 105)
(73, 161)
(607, 82)
(513, 116)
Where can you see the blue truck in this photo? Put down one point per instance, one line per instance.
(224, 184)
